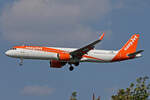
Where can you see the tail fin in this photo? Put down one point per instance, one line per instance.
(131, 45)
(128, 48)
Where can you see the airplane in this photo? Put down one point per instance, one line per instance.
(59, 57)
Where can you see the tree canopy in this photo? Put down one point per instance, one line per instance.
(140, 90)
(137, 91)
(73, 96)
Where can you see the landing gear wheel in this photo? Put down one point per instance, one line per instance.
(21, 62)
(71, 68)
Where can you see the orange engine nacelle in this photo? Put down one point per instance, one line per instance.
(56, 64)
(64, 56)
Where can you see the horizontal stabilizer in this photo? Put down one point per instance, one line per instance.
(135, 53)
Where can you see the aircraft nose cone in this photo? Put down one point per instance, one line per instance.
(7, 53)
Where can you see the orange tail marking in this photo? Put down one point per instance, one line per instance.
(129, 47)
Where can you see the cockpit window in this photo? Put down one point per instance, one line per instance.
(13, 48)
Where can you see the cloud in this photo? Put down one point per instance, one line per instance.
(118, 4)
(53, 20)
(37, 91)
(132, 4)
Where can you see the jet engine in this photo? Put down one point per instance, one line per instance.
(56, 64)
(64, 56)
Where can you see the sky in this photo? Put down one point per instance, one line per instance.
(70, 23)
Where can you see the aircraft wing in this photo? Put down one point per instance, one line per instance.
(84, 50)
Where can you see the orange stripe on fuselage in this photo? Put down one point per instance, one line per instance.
(46, 49)
(86, 56)
(38, 48)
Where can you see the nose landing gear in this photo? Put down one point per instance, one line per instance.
(21, 62)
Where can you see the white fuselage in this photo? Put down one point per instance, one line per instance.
(91, 56)
(59, 57)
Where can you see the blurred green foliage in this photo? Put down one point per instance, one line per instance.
(73, 96)
(137, 91)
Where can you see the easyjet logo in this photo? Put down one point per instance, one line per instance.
(131, 43)
(34, 48)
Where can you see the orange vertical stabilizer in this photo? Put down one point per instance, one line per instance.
(128, 48)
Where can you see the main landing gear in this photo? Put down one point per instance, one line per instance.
(71, 68)
(21, 62)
